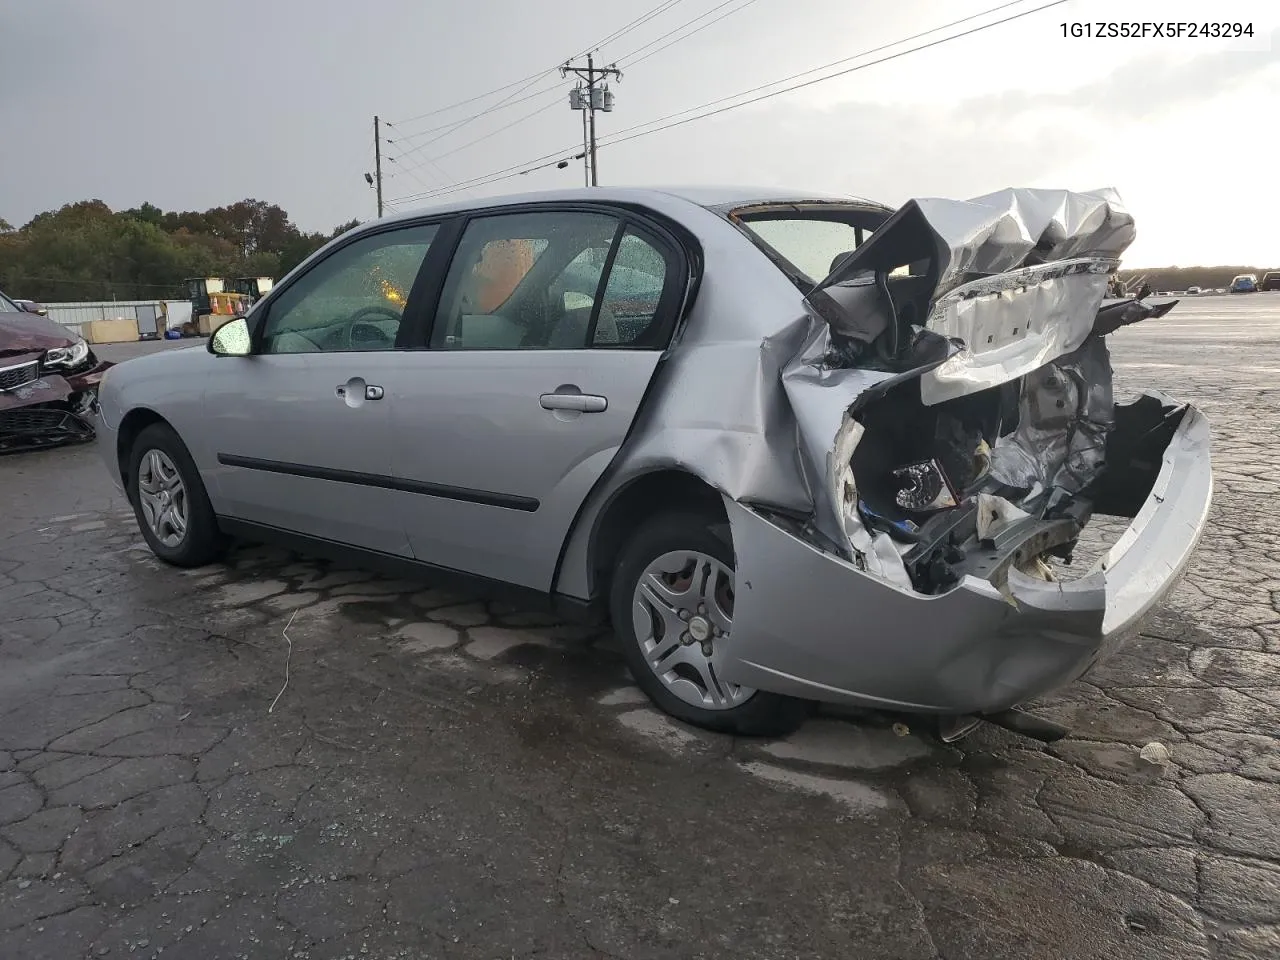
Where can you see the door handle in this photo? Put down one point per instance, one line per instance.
(355, 391)
(581, 402)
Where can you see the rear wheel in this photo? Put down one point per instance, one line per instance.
(169, 500)
(671, 602)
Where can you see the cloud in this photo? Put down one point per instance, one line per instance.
(891, 151)
(1139, 88)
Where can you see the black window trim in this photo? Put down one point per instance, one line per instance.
(674, 242)
(603, 284)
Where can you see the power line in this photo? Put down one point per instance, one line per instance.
(479, 96)
(453, 124)
(532, 80)
(419, 149)
(492, 133)
(514, 170)
(445, 176)
(843, 60)
(628, 62)
(620, 32)
(408, 171)
(627, 28)
(506, 173)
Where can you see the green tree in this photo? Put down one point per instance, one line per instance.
(84, 251)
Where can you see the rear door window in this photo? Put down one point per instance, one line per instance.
(524, 281)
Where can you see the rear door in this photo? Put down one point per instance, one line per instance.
(301, 430)
(549, 326)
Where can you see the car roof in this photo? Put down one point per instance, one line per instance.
(718, 198)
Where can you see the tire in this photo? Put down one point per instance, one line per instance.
(683, 682)
(159, 461)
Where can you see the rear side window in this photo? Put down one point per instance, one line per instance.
(551, 280)
(632, 294)
(811, 246)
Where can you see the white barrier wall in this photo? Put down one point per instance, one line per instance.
(74, 314)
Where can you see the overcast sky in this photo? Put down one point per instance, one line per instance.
(189, 104)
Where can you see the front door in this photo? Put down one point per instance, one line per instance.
(548, 329)
(302, 429)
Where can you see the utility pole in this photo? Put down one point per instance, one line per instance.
(377, 162)
(596, 95)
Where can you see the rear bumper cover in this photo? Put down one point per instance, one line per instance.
(811, 624)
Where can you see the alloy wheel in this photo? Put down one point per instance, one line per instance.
(163, 497)
(682, 610)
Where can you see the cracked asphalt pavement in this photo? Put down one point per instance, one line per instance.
(410, 772)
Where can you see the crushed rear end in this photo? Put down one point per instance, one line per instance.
(952, 399)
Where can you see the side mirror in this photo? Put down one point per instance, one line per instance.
(232, 339)
(31, 307)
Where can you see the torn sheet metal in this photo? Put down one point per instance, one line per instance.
(1018, 275)
(1014, 323)
(993, 234)
(1065, 413)
(1016, 227)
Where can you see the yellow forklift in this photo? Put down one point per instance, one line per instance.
(255, 288)
(214, 301)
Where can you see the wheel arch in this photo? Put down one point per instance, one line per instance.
(650, 494)
(133, 423)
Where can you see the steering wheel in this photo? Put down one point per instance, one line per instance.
(375, 310)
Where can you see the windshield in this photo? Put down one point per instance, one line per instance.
(7, 305)
(810, 238)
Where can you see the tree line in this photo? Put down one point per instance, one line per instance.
(87, 251)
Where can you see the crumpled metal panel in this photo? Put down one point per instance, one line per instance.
(1014, 323)
(826, 435)
(997, 232)
(1065, 413)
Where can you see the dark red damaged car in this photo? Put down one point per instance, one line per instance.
(48, 381)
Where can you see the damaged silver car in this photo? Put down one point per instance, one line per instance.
(800, 448)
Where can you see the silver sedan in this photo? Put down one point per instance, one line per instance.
(798, 448)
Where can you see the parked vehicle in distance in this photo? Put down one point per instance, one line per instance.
(48, 380)
(31, 306)
(1270, 281)
(1245, 283)
(1193, 291)
(745, 426)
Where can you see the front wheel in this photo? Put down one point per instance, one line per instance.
(671, 602)
(169, 500)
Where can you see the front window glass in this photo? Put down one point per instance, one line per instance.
(7, 305)
(352, 300)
